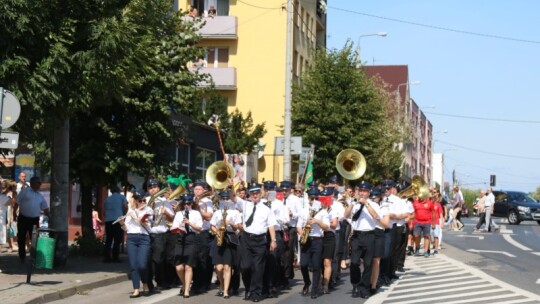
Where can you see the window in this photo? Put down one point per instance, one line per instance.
(217, 57)
(296, 13)
(222, 7)
(204, 159)
(184, 157)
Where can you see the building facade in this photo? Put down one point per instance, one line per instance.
(246, 57)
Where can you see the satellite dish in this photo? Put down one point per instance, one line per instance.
(260, 148)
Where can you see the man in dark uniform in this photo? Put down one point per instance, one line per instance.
(257, 221)
(364, 214)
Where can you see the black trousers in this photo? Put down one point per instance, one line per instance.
(397, 237)
(311, 255)
(481, 220)
(273, 272)
(25, 225)
(336, 260)
(363, 245)
(253, 252)
(289, 253)
(114, 236)
(203, 276)
(158, 259)
(403, 247)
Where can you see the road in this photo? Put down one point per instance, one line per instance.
(473, 267)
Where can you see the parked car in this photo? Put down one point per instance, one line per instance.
(516, 206)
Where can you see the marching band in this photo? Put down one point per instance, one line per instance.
(261, 239)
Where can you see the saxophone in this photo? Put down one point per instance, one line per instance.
(307, 228)
(220, 234)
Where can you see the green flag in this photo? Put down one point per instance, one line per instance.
(309, 173)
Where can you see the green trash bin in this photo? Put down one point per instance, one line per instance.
(45, 252)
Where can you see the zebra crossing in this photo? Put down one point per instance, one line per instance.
(440, 279)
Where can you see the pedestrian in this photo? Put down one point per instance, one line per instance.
(481, 210)
(97, 223)
(6, 201)
(22, 183)
(31, 204)
(116, 205)
(490, 206)
(425, 222)
(457, 206)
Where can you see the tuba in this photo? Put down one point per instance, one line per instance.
(351, 164)
(218, 174)
(152, 205)
(307, 228)
(418, 188)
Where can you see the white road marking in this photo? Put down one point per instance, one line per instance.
(480, 237)
(492, 251)
(536, 253)
(510, 240)
(538, 281)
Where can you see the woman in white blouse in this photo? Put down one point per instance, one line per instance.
(225, 255)
(136, 224)
(187, 223)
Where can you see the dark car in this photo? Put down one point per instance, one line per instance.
(516, 206)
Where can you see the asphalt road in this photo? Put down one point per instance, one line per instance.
(473, 267)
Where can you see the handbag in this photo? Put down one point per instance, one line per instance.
(233, 239)
(12, 232)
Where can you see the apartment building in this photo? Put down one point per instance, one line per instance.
(246, 57)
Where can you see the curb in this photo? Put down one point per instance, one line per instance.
(77, 289)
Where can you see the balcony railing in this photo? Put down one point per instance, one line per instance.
(224, 78)
(218, 27)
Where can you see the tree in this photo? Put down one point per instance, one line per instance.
(336, 106)
(536, 194)
(240, 134)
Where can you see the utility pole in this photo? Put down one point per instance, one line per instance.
(288, 95)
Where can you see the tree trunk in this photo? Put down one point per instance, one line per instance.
(59, 192)
(86, 210)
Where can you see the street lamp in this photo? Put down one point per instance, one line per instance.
(380, 34)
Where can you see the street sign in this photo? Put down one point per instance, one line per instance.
(9, 140)
(296, 145)
(11, 109)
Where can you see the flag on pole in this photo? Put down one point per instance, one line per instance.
(309, 173)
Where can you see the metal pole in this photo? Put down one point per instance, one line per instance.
(288, 95)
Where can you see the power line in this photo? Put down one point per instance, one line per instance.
(487, 152)
(261, 7)
(436, 27)
(484, 118)
(490, 169)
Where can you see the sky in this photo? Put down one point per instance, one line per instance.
(478, 67)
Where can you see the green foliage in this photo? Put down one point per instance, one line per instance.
(337, 106)
(240, 134)
(536, 194)
(86, 246)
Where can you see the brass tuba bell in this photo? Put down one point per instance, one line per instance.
(351, 164)
(177, 192)
(418, 188)
(218, 174)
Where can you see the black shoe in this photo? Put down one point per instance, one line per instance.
(373, 291)
(133, 296)
(305, 290)
(247, 295)
(355, 291)
(326, 291)
(226, 297)
(364, 295)
(401, 269)
(313, 295)
(181, 292)
(219, 293)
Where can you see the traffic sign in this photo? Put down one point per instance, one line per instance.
(11, 109)
(9, 140)
(296, 145)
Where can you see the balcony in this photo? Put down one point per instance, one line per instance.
(224, 78)
(218, 27)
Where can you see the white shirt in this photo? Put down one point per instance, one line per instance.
(396, 206)
(194, 218)
(316, 230)
(365, 222)
(281, 214)
(133, 225)
(262, 219)
(233, 216)
(161, 207)
(206, 204)
(490, 200)
(384, 212)
(336, 211)
(294, 206)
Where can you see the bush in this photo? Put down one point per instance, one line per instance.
(87, 246)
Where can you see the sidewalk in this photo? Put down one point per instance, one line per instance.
(79, 275)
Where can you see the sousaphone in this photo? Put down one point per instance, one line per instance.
(351, 164)
(218, 174)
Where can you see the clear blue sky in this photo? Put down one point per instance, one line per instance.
(467, 75)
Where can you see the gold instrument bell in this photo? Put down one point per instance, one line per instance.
(351, 164)
(218, 174)
(418, 188)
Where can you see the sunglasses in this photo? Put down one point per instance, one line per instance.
(142, 201)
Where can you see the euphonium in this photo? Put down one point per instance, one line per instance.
(152, 204)
(307, 228)
(418, 188)
(220, 235)
(351, 164)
